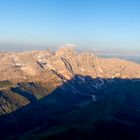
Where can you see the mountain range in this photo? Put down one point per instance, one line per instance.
(68, 95)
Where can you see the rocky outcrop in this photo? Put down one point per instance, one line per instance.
(17, 96)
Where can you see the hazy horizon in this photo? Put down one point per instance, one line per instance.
(91, 24)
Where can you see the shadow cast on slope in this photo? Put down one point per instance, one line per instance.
(96, 107)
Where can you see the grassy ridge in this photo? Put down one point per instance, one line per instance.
(5, 84)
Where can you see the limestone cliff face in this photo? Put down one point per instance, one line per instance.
(44, 66)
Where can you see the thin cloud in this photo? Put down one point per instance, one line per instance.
(68, 45)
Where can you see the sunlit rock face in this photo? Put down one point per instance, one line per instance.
(35, 65)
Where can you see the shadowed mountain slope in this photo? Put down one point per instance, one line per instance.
(81, 108)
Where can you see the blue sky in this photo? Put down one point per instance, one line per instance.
(100, 24)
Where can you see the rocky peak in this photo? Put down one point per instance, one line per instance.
(2, 54)
(65, 51)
